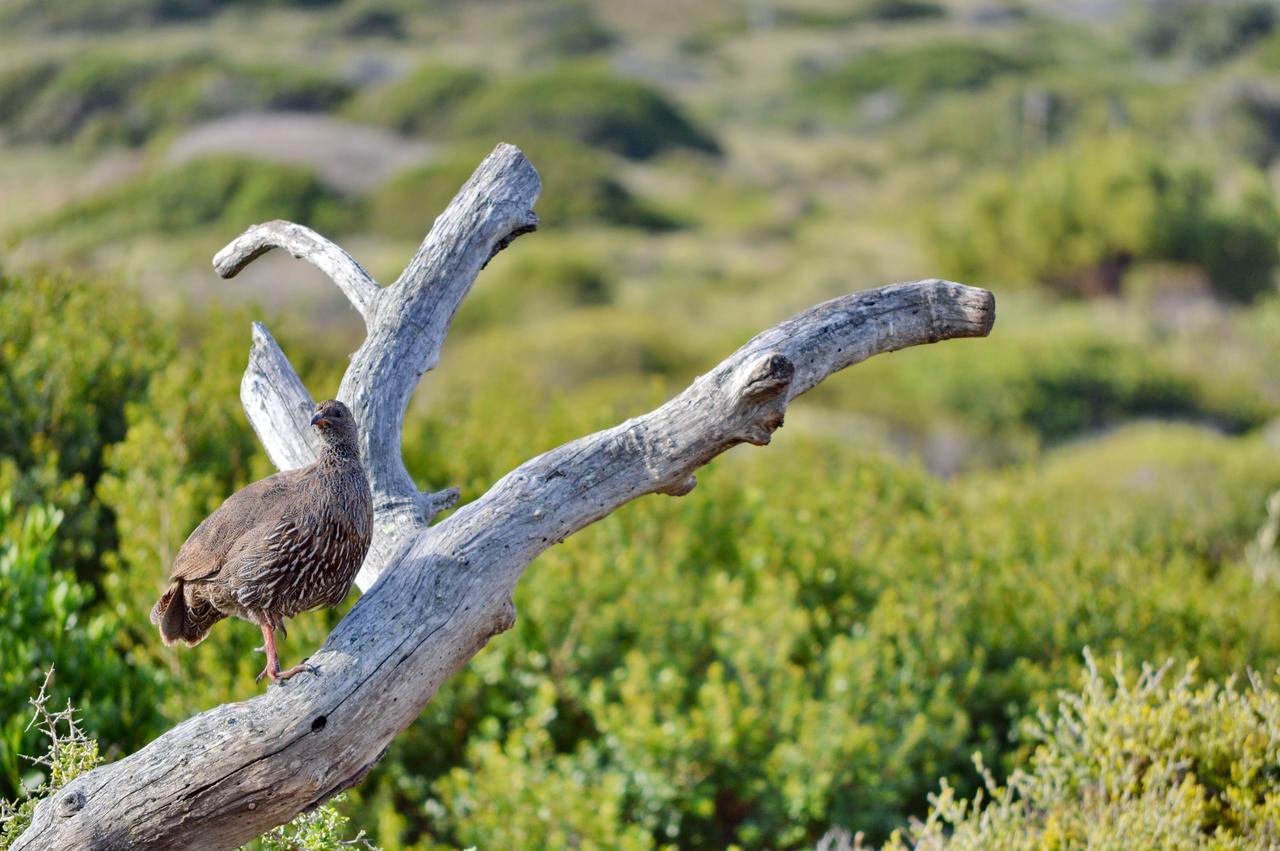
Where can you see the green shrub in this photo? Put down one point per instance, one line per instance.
(68, 370)
(225, 192)
(1077, 217)
(373, 19)
(1053, 372)
(98, 15)
(586, 104)
(541, 283)
(861, 12)
(424, 101)
(1133, 763)
(103, 99)
(814, 635)
(578, 187)
(1206, 30)
(912, 73)
(48, 621)
(566, 29)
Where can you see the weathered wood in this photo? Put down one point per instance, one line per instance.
(228, 774)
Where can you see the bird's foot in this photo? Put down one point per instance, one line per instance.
(279, 677)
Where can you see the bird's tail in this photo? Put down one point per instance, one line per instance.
(180, 620)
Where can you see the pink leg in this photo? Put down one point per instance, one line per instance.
(272, 671)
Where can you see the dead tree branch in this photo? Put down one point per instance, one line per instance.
(437, 594)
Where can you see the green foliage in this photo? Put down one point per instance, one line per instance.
(817, 635)
(96, 15)
(584, 103)
(423, 101)
(322, 829)
(534, 285)
(65, 402)
(105, 99)
(518, 792)
(1205, 30)
(1076, 217)
(913, 73)
(578, 187)
(862, 11)
(567, 29)
(48, 621)
(221, 192)
(1135, 763)
(1024, 389)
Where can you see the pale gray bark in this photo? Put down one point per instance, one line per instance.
(228, 774)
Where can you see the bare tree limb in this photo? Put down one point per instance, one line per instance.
(304, 244)
(235, 771)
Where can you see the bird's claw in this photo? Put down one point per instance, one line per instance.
(281, 677)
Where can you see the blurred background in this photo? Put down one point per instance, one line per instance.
(822, 632)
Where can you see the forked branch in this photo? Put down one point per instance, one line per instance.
(228, 774)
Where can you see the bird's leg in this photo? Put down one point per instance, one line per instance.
(273, 661)
(272, 671)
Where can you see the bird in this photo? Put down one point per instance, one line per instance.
(290, 542)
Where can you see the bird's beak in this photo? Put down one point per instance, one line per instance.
(319, 419)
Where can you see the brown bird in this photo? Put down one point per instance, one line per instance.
(290, 542)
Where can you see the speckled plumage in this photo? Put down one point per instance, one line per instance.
(290, 542)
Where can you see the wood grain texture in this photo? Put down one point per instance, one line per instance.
(438, 593)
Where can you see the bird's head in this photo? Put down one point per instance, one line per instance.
(335, 424)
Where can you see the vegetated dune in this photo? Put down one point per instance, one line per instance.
(350, 157)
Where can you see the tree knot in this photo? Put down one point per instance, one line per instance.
(762, 396)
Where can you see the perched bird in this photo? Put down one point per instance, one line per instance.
(290, 542)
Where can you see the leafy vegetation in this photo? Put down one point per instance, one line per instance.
(587, 104)
(422, 101)
(1140, 762)
(105, 99)
(578, 187)
(224, 192)
(913, 73)
(1076, 219)
(98, 15)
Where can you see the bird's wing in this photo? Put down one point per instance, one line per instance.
(254, 506)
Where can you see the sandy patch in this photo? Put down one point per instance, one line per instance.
(349, 157)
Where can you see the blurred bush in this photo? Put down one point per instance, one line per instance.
(911, 73)
(224, 192)
(1204, 30)
(423, 101)
(1075, 218)
(541, 284)
(1134, 762)
(824, 16)
(566, 28)
(65, 402)
(96, 15)
(103, 99)
(578, 187)
(585, 103)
